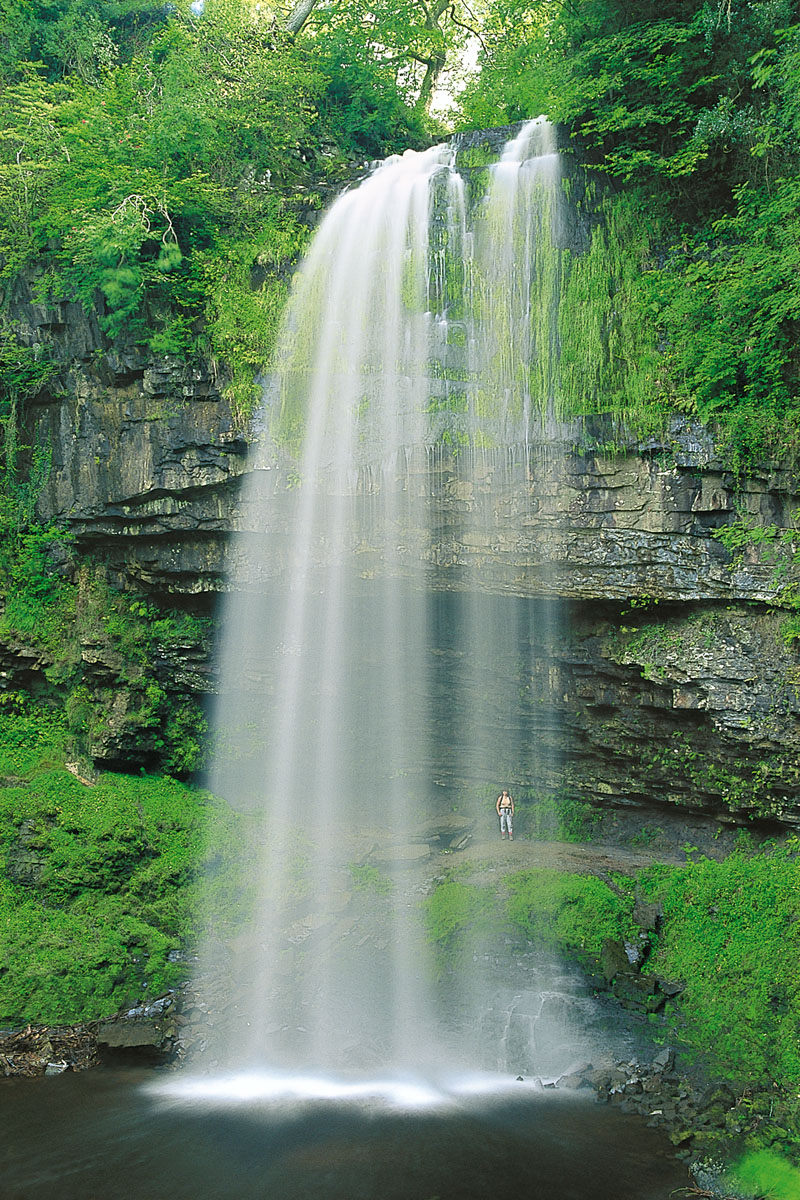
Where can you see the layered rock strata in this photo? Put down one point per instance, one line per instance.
(670, 677)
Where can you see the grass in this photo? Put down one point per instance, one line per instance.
(103, 887)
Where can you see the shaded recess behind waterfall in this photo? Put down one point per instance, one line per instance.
(418, 352)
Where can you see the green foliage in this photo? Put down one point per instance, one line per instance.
(384, 51)
(86, 37)
(59, 616)
(30, 738)
(516, 66)
(24, 372)
(367, 878)
(731, 932)
(361, 101)
(576, 912)
(455, 908)
(609, 357)
(100, 883)
(559, 817)
(765, 1173)
(132, 635)
(633, 83)
(687, 295)
(735, 287)
(173, 183)
(655, 92)
(777, 547)
(39, 604)
(647, 835)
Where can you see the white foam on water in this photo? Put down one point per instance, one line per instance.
(285, 1091)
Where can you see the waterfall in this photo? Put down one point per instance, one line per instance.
(516, 286)
(416, 355)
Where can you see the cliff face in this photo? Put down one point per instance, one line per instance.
(145, 453)
(147, 466)
(671, 680)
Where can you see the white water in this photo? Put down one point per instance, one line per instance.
(515, 286)
(332, 668)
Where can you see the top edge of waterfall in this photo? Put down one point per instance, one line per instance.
(417, 161)
(536, 139)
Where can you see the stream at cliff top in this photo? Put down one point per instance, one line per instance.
(98, 1136)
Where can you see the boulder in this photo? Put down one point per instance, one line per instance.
(146, 1027)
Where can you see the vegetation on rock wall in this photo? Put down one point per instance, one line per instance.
(677, 654)
(609, 358)
(692, 108)
(104, 657)
(161, 166)
(729, 934)
(99, 896)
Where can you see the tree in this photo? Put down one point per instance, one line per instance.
(413, 39)
(80, 37)
(299, 15)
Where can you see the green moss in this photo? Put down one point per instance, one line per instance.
(609, 359)
(560, 817)
(765, 1173)
(776, 548)
(475, 157)
(367, 878)
(101, 882)
(455, 908)
(576, 912)
(59, 616)
(731, 932)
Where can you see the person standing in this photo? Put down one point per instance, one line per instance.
(505, 811)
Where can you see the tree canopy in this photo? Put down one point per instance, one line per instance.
(162, 162)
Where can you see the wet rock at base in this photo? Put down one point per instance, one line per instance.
(148, 1030)
(45, 1050)
(128, 1035)
(648, 915)
(447, 832)
(147, 1027)
(613, 960)
(664, 1060)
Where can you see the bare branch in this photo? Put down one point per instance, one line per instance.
(469, 29)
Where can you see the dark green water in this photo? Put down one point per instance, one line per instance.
(101, 1136)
